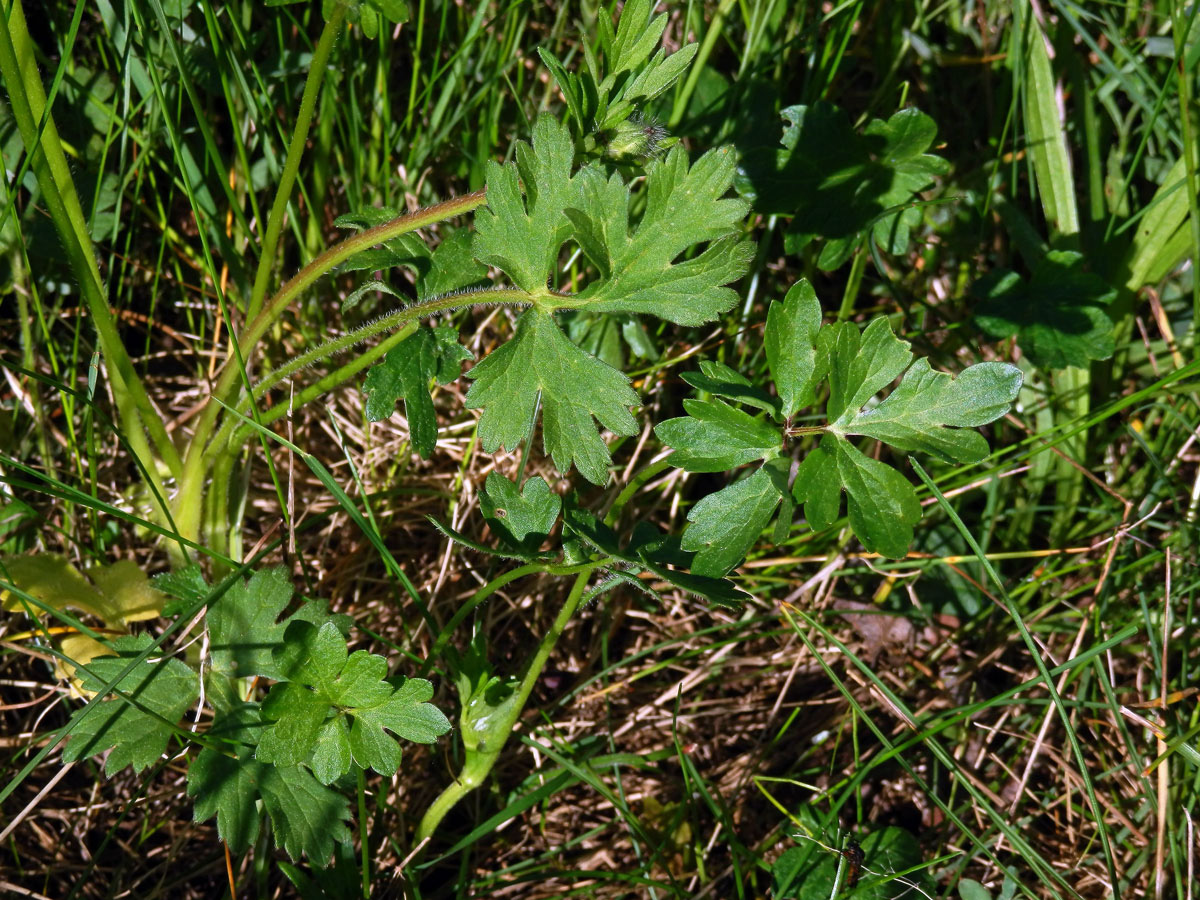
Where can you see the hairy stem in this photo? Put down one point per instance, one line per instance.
(232, 433)
(200, 454)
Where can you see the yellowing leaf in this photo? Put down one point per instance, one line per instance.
(121, 594)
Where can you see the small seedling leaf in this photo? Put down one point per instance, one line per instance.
(520, 518)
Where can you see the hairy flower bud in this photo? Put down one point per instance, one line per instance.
(636, 138)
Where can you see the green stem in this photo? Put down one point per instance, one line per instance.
(362, 833)
(490, 588)
(40, 137)
(480, 763)
(1182, 29)
(291, 165)
(857, 267)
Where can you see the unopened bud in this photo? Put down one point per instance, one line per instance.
(636, 138)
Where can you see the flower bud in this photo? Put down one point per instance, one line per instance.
(636, 138)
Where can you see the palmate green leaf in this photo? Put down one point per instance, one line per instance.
(521, 234)
(405, 373)
(137, 732)
(574, 388)
(244, 624)
(1058, 317)
(521, 518)
(684, 206)
(335, 707)
(306, 817)
(534, 207)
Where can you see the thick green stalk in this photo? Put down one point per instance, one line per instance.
(291, 165)
(49, 163)
(481, 759)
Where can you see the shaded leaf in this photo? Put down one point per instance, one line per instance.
(1058, 317)
(717, 378)
(405, 373)
(653, 550)
(841, 186)
(452, 267)
(245, 629)
(137, 735)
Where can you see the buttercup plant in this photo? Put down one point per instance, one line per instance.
(654, 234)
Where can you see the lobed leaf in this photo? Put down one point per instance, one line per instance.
(335, 707)
(1058, 317)
(521, 234)
(685, 205)
(861, 364)
(521, 518)
(137, 735)
(245, 629)
(405, 373)
(726, 524)
(714, 436)
(840, 185)
(574, 388)
(882, 504)
(929, 411)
